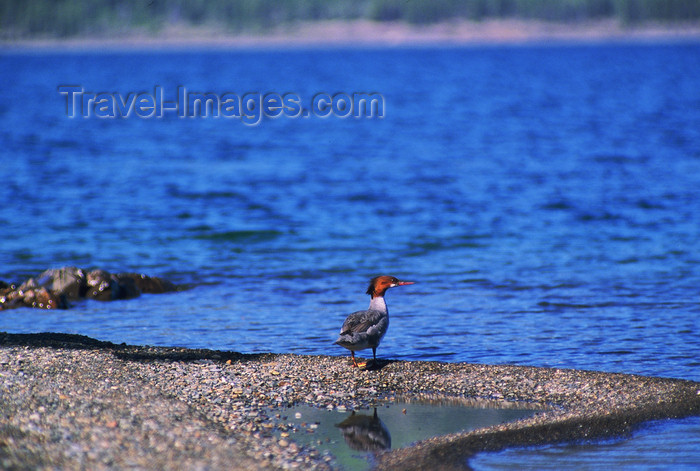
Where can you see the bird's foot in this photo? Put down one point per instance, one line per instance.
(374, 365)
(358, 364)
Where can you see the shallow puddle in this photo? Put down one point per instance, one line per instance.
(353, 437)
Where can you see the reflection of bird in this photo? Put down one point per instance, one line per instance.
(365, 329)
(365, 433)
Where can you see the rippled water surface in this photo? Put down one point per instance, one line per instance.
(546, 200)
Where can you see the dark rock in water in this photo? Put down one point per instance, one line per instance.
(127, 287)
(53, 288)
(105, 286)
(102, 286)
(147, 284)
(30, 296)
(10, 297)
(45, 299)
(70, 282)
(28, 285)
(50, 290)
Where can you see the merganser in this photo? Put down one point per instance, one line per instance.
(365, 329)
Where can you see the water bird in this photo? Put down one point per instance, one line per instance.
(365, 329)
(365, 433)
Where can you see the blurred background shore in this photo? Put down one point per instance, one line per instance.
(86, 23)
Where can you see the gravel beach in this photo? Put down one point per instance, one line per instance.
(72, 402)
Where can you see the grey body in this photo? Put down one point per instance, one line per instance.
(365, 329)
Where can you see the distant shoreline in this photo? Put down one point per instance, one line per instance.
(366, 33)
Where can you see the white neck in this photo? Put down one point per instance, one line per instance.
(378, 304)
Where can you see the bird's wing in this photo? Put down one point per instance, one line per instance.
(361, 321)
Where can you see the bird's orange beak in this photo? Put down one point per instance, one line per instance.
(401, 283)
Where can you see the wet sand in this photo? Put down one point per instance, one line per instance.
(72, 402)
(367, 33)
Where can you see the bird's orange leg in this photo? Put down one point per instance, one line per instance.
(355, 364)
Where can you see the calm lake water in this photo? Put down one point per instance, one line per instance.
(546, 200)
(355, 437)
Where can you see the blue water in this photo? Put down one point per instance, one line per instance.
(546, 200)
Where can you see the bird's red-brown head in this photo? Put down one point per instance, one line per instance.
(379, 284)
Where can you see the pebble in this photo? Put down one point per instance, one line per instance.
(77, 403)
